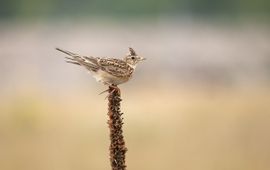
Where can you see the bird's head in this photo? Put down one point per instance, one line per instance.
(132, 58)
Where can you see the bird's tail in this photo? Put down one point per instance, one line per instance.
(74, 57)
(89, 62)
(67, 52)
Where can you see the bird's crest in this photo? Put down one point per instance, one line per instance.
(132, 51)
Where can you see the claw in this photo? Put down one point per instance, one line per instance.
(103, 91)
(111, 90)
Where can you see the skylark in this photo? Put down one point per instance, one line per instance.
(109, 71)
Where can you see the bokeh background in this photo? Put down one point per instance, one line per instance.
(199, 102)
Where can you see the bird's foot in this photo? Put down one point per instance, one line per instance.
(104, 91)
(112, 88)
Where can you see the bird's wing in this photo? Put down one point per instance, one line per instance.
(115, 67)
(89, 63)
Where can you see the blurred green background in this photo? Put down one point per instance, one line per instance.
(18, 9)
(199, 102)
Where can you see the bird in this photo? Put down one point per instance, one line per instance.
(109, 71)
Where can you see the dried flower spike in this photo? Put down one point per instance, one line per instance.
(117, 146)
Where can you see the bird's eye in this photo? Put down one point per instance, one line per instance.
(132, 58)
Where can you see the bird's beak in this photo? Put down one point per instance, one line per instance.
(142, 58)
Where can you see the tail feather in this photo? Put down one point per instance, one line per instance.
(89, 63)
(73, 62)
(67, 52)
(74, 59)
(91, 59)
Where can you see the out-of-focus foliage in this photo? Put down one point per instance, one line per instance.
(126, 8)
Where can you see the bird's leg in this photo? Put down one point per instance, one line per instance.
(106, 91)
(108, 84)
(113, 88)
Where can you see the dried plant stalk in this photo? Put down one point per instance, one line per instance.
(117, 146)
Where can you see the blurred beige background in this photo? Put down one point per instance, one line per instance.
(199, 102)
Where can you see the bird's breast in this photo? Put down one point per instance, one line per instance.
(104, 77)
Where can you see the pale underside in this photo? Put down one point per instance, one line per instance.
(108, 79)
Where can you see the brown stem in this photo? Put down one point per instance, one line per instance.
(117, 146)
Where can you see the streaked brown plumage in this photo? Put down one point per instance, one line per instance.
(109, 71)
